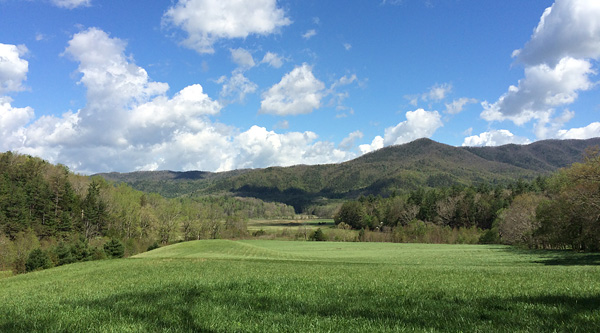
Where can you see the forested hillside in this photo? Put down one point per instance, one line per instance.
(73, 217)
(402, 168)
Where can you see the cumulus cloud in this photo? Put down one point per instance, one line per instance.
(569, 28)
(130, 123)
(207, 21)
(13, 68)
(418, 124)
(590, 131)
(349, 141)
(236, 87)
(298, 92)
(494, 138)
(71, 4)
(377, 143)
(457, 105)
(12, 123)
(273, 59)
(242, 58)
(558, 66)
(542, 89)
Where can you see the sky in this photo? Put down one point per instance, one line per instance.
(217, 85)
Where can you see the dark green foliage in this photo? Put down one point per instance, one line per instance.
(36, 260)
(114, 249)
(490, 236)
(352, 213)
(318, 235)
(64, 254)
(153, 246)
(80, 250)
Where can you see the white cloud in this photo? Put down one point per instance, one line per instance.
(13, 68)
(567, 29)
(298, 92)
(590, 131)
(418, 124)
(558, 66)
(542, 89)
(494, 138)
(236, 87)
(273, 59)
(349, 141)
(457, 105)
(12, 123)
(71, 4)
(309, 34)
(261, 148)
(129, 123)
(377, 143)
(206, 21)
(437, 93)
(242, 58)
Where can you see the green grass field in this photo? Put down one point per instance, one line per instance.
(259, 285)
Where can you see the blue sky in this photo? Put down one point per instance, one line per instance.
(220, 84)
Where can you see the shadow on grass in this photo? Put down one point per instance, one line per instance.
(560, 257)
(255, 307)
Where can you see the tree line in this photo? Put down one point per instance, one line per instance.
(72, 217)
(560, 211)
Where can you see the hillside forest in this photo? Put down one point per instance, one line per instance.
(50, 216)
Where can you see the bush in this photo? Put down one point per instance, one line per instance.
(318, 235)
(153, 246)
(114, 249)
(259, 233)
(491, 236)
(36, 260)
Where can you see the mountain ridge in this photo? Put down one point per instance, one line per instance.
(422, 162)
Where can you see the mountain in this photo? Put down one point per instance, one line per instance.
(422, 162)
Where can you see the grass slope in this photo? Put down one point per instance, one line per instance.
(255, 286)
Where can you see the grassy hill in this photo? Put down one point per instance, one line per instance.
(403, 167)
(268, 286)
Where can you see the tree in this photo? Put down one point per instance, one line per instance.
(318, 235)
(36, 260)
(114, 249)
(7, 253)
(351, 213)
(572, 214)
(518, 223)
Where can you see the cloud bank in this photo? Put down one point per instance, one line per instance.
(130, 123)
(558, 62)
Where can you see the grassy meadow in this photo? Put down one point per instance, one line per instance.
(265, 285)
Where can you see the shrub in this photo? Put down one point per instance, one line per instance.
(318, 235)
(153, 246)
(36, 260)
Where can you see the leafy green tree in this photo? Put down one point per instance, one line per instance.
(571, 216)
(352, 213)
